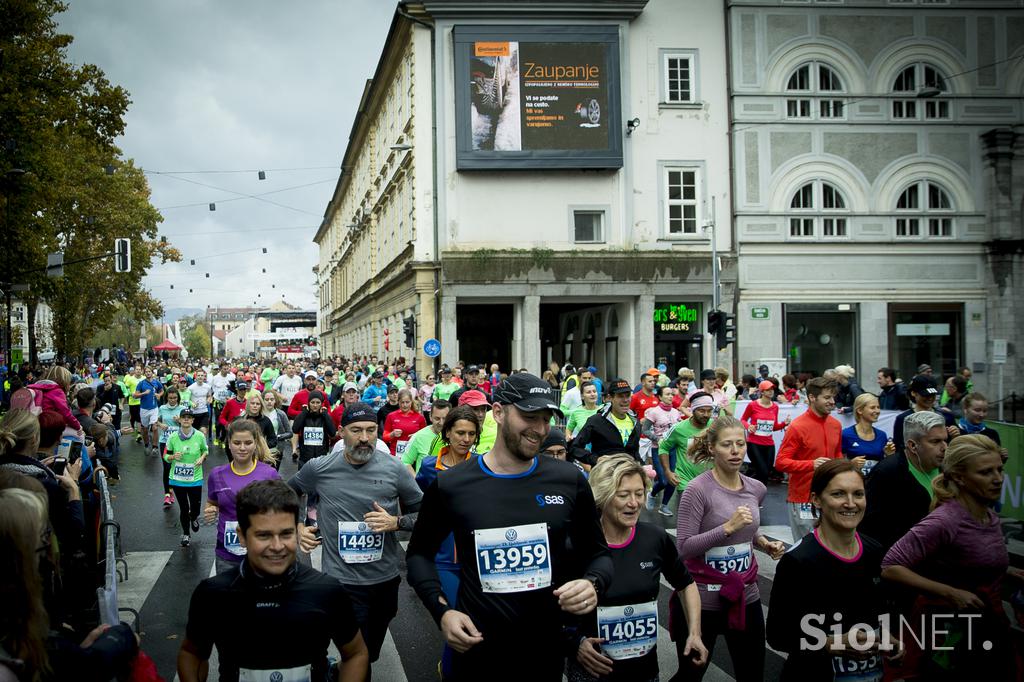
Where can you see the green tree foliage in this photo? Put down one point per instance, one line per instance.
(58, 124)
(196, 339)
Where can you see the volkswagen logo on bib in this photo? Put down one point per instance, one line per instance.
(628, 611)
(511, 535)
(731, 550)
(363, 526)
(276, 677)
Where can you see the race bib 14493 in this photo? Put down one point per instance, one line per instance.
(357, 544)
(628, 631)
(515, 559)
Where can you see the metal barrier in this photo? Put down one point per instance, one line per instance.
(111, 559)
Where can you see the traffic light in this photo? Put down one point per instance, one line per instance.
(716, 318)
(723, 326)
(122, 255)
(409, 330)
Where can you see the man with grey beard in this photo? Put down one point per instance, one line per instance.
(365, 495)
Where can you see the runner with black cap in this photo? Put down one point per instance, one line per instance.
(924, 393)
(313, 429)
(365, 495)
(514, 513)
(612, 430)
(186, 452)
(471, 378)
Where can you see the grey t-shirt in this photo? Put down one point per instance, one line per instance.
(347, 492)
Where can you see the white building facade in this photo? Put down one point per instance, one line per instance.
(873, 146)
(573, 207)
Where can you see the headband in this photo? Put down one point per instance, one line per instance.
(703, 401)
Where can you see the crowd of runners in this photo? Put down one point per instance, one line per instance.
(520, 497)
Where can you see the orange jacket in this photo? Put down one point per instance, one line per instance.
(807, 438)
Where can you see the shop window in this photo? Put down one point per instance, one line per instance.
(820, 336)
(923, 333)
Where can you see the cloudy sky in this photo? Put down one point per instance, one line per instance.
(235, 86)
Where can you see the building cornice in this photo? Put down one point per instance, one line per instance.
(565, 9)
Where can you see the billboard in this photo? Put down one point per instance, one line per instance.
(534, 97)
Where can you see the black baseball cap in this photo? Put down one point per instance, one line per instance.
(358, 412)
(528, 392)
(923, 384)
(187, 412)
(619, 386)
(472, 369)
(707, 374)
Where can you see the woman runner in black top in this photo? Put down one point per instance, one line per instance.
(619, 640)
(832, 570)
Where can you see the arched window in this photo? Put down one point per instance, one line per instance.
(922, 82)
(931, 208)
(819, 209)
(812, 83)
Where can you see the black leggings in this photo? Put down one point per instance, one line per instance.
(746, 647)
(189, 499)
(167, 468)
(762, 461)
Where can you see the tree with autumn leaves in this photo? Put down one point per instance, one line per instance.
(64, 184)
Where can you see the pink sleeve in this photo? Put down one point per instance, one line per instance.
(930, 533)
(689, 540)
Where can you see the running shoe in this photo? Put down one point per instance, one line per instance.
(650, 502)
(173, 498)
(195, 525)
(168, 500)
(138, 438)
(185, 540)
(665, 511)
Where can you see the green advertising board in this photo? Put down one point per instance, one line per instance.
(677, 318)
(1012, 438)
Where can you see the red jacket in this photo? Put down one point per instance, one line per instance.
(408, 423)
(300, 399)
(230, 412)
(807, 438)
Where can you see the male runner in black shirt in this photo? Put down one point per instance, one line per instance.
(271, 619)
(513, 514)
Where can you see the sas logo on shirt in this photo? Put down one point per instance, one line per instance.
(644, 565)
(544, 500)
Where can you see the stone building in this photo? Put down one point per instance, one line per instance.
(877, 214)
(535, 182)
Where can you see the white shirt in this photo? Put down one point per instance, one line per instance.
(219, 384)
(199, 393)
(288, 386)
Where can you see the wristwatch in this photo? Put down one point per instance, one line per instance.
(597, 588)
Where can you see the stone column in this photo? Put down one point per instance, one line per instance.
(449, 331)
(643, 352)
(528, 329)
(1004, 248)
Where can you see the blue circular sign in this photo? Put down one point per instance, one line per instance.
(432, 348)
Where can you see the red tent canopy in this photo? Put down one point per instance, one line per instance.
(166, 345)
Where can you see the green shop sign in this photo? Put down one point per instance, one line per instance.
(677, 318)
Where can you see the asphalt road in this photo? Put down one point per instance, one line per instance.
(162, 575)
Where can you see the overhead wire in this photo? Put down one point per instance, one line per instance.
(241, 170)
(242, 195)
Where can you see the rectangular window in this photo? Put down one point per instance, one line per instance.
(801, 227)
(936, 109)
(798, 108)
(678, 74)
(681, 200)
(908, 227)
(588, 227)
(830, 108)
(940, 227)
(904, 109)
(833, 227)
